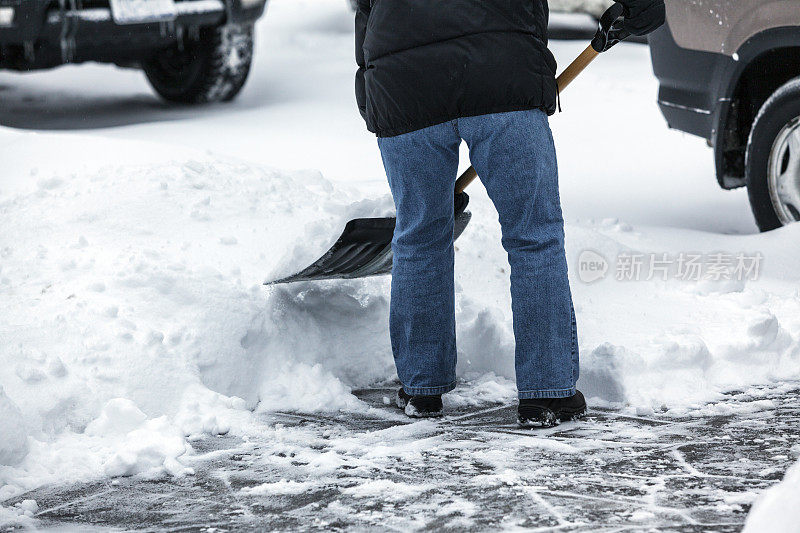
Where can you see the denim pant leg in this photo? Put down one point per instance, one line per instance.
(421, 167)
(515, 159)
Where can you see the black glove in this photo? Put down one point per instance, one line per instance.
(643, 16)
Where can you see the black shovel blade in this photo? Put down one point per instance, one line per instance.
(365, 248)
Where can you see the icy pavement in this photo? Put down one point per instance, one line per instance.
(690, 471)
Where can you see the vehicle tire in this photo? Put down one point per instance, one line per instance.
(211, 67)
(772, 161)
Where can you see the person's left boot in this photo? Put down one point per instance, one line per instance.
(547, 412)
(419, 406)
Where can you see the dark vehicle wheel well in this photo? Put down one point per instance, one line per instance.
(759, 79)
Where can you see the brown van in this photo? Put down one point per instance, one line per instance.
(730, 72)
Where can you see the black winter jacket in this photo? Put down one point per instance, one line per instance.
(423, 62)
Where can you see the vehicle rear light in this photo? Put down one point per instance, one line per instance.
(6, 16)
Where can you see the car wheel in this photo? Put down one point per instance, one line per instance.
(211, 67)
(772, 161)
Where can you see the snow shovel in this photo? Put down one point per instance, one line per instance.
(365, 246)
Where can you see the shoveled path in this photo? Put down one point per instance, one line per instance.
(692, 471)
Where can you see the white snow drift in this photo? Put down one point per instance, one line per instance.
(134, 314)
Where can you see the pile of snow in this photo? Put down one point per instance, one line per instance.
(142, 444)
(21, 514)
(777, 509)
(134, 314)
(648, 343)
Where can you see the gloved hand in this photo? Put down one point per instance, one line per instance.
(643, 16)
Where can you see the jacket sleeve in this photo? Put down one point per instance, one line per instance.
(362, 15)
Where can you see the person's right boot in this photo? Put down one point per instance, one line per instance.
(419, 406)
(547, 412)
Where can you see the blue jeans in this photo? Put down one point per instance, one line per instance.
(515, 159)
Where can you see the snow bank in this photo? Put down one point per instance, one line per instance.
(648, 344)
(134, 313)
(678, 343)
(776, 510)
(314, 341)
(121, 441)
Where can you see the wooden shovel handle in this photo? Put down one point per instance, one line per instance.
(576, 67)
(566, 77)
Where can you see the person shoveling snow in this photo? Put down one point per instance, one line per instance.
(431, 75)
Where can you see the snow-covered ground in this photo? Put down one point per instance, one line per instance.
(472, 471)
(136, 237)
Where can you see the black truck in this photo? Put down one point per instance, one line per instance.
(192, 51)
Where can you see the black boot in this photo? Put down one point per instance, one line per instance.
(419, 406)
(547, 412)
